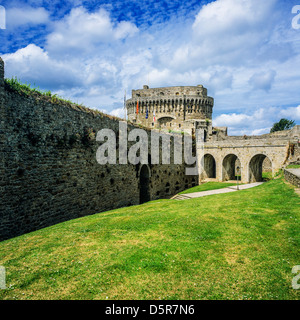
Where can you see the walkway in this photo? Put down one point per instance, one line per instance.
(217, 191)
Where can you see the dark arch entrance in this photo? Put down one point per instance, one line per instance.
(229, 165)
(144, 184)
(209, 166)
(256, 167)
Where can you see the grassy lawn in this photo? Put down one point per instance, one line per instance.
(209, 186)
(267, 176)
(240, 245)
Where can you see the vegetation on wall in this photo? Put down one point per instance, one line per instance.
(25, 89)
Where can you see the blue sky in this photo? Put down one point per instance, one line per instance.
(245, 52)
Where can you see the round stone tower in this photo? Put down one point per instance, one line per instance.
(184, 108)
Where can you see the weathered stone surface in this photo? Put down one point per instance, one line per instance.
(292, 176)
(48, 167)
(252, 153)
(189, 108)
(175, 108)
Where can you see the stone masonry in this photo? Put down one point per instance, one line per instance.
(189, 108)
(48, 166)
(171, 108)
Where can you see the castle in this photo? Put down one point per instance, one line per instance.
(173, 109)
(48, 167)
(188, 108)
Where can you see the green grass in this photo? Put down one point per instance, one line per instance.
(267, 176)
(240, 245)
(212, 185)
(293, 166)
(14, 84)
(25, 89)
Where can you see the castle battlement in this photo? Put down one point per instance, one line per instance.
(173, 108)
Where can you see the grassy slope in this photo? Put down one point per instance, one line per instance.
(241, 245)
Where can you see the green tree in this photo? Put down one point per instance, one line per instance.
(283, 124)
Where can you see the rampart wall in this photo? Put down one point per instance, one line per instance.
(48, 167)
(292, 176)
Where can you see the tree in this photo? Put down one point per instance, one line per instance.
(283, 124)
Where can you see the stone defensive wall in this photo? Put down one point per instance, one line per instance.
(175, 108)
(48, 167)
(292, 176)
(221, 157)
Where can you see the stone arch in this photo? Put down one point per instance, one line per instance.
(144, 183)
(229, 165)
(256, 165)
(209, 166)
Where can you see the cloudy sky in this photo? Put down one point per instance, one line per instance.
(245, 52)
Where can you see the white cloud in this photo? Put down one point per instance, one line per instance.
(292, 113)
(231, 120)
(231, 31)
(83, 31)
(125, 29)
(232, 17)
(33, 65)
(240, 50)
(259, 122)
(262, 80)
(119, 112)
(251, 124)
(16, 17)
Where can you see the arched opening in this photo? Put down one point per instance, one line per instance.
(209, 166)
(229, 167)
(144, 184)
(260, 168)
(165, 122)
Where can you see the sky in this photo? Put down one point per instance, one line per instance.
(245, 52)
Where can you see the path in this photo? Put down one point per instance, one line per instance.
(217, 191)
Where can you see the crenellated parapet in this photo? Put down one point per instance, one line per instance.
(174, 108)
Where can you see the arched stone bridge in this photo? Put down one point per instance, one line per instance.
(220, 159)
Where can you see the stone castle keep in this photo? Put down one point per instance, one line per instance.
(173, 108)
(48, 168)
